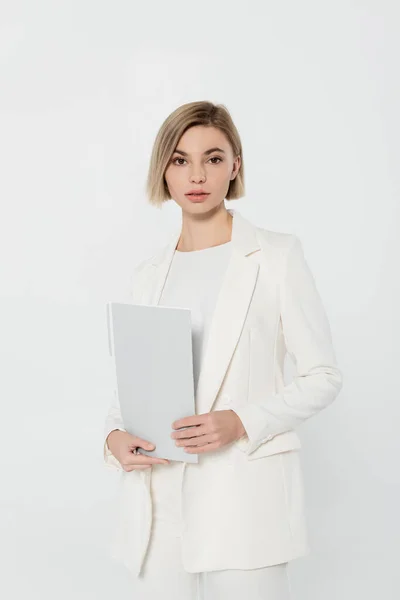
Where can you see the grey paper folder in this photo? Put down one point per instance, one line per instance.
(151, 348)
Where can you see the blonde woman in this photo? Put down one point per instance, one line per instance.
(230, 524)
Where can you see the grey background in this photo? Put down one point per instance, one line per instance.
(314, 90)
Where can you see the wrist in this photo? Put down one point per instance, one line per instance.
(111, 435)
(240, 431)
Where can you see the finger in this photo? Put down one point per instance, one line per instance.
(189, 421)
(198, 441)
(202, 449)
(153, 460)
(193, 432)
(136, 468)
(141, 459)
(145, 444)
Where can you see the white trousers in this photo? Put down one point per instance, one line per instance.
(163, 575)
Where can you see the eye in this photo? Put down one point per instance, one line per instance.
(177, 158)
(180, 158)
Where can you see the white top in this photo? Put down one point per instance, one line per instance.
(193, 282)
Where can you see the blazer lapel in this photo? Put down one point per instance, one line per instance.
(231, 308)
(226, 326)
(158, 271)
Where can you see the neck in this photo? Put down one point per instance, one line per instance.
(206, 230)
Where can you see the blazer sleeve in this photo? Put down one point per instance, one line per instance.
(308, 341)
(113, 421)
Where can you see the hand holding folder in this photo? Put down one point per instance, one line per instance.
(125, 448)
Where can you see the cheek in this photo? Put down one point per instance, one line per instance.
(176, 179)
(221, 175)
(169, 177)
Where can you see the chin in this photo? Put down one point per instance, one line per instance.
(201, 207)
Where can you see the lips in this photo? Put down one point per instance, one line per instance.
(197, 197)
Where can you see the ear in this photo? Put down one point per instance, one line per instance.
(236, 166)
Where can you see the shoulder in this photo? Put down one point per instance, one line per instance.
(281, 253)
(142, 265)
(278, 244)
(146, 265)
(140, 270)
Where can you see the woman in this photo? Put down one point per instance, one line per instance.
(229, 524)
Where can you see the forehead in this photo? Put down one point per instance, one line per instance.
(199, 138)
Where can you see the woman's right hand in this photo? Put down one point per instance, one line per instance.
(122, 444)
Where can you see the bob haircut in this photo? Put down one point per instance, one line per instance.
(186, 116)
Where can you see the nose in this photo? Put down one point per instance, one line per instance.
(197, 176)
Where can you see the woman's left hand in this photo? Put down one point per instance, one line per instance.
(208, 431)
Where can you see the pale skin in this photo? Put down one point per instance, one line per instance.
(204, 224)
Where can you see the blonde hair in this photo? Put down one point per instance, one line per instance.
(186, 116)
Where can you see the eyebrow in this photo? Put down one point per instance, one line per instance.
(216, 149)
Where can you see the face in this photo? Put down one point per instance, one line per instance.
(203, 160)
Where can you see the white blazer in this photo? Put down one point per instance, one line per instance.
(243, 505)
